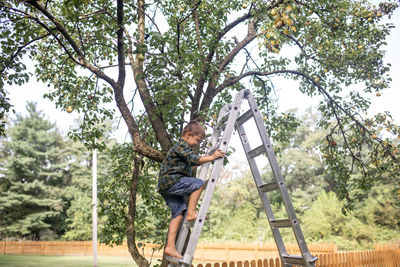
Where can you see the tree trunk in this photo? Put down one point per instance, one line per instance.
(130, 217)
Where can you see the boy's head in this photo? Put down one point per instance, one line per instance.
(193, 133)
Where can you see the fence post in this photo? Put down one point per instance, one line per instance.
(321, 260)
(265, 263)
(271, 263)
(343, 259)
(332, 260)
(369, 261)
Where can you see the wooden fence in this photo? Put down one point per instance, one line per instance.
(205, 252)
(385, 255)
(380, 258)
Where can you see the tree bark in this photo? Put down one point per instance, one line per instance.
(147, 100)
(130, 217)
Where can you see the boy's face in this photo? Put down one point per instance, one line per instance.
(192, 140)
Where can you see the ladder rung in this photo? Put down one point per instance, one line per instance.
(173, 259)
(281, 223)
(245, 117)
(225, 118)
(214, 148)
(268, 187)
(257, 151)
(188, 224)
(294, 259)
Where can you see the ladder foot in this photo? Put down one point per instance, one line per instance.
(313, 259)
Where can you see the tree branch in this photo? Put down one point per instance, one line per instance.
(325, 93)
(181, 21)
(211, 88)
(19, 50)
(251, 35)
(197, 27)
(207, 60)
(139, 145)
(120, 43)
(147, 100)
(59, 27)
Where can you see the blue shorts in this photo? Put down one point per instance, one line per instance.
(177, 194)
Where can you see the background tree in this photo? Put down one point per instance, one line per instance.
(237, 212)
(186, 69)
(301, 161)
(32, 204)
(78, 193)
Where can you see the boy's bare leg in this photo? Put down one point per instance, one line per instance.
(194, 198)
(170, 249)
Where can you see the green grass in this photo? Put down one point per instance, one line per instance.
(63, 261)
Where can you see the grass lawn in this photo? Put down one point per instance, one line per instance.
(63, 261)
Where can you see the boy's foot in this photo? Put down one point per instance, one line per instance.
(191, 216)
(172, 252)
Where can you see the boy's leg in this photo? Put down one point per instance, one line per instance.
(170, 249)
(194, 198)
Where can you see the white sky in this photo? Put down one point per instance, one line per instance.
(33, 91)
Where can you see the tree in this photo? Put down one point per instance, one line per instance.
(33, 178)
(78, 193)
(301, 161)
(187, 68)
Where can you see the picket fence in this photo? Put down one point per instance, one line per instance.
(205, 252)
(381, 258)
(222, 254)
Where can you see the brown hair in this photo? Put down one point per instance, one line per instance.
(195, 128)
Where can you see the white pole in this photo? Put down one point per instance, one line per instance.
(94, 211)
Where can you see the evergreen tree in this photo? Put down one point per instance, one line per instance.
(32, 179)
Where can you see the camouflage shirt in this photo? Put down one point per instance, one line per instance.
(177, 164)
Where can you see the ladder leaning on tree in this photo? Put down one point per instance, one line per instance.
(230, 118)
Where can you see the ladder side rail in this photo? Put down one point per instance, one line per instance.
(278, 176)
(195, 235)
(214, 140)
(266, 203)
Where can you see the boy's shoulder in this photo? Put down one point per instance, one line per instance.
(181, 144)
(180, 149)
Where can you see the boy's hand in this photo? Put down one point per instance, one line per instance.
(218, 154)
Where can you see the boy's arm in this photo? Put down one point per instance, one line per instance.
(216, 155)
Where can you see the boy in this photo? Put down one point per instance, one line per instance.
(176, 180)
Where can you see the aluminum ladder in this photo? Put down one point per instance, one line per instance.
(229, 116)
